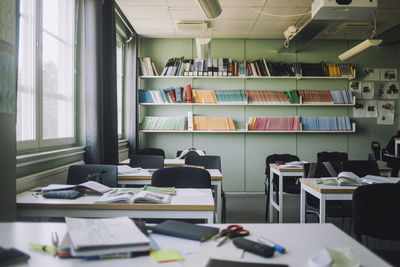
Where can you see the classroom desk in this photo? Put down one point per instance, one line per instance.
(300, 240)
(323, 193)
(187, 203)
(167, 162)
(144, 177)
(283, 172)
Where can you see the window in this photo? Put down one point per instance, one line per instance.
(120, 76)
(46, 74)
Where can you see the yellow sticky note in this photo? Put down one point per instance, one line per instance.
(166, 255)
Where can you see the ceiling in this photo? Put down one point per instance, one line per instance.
(246, 19)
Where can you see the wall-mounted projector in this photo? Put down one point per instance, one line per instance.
(343, 9)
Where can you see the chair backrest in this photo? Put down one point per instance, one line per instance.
(151, 151)
(321, 169)
(182, 177)
(191, 151)
(375, 211)
(376, 149)
(147, 161)
(361, 167)
(332, 156)
(278, 157)
(207, 161)
(104, 174)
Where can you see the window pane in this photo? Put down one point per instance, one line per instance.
(119, 83)
(26, 106)
(58, 69)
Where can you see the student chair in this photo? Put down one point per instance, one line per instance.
(147, 161)
(152, 152)
(392, 161)
(181, 177)
(104, 174)
(290, 184)
(208, 162)
(334, 208)
(361, 167)
(325, 156)
(375, 215)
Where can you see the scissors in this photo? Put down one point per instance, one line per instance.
(232, 231)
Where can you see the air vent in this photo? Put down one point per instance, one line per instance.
(194, 26)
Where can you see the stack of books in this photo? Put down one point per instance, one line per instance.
(163, 123)
(203, 123)
(289, 123)
(167, 95)
(204, 96)
(231, 96)
(146, 67)
(342, 96)
(266, 97)
(326, 123)
(319, 97)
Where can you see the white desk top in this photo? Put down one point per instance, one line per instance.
(300, 240)
(185, 199)
(146, 174)
(167, 162)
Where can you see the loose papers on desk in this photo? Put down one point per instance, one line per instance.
(93, 237)
(125, 169)
(91, 185)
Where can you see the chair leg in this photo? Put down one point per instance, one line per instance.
(267, 195)
(223, 217)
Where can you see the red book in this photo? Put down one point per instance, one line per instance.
(188, 93)
(171, 93)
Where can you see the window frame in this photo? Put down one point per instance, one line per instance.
(40, 144)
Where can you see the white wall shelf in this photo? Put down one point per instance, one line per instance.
(249, 77)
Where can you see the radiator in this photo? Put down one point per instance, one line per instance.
(53, 176)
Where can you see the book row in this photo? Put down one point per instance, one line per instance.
(188, 95)
(286, 123)
(252, 68)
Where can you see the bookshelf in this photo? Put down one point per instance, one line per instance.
(243, 152)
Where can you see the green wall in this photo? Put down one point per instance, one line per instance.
(243, 155)
(7, 109)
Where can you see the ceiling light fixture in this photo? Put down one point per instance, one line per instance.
(211, 8)
(359, 48)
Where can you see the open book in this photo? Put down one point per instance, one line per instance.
(343, 178)
(293, 164)
(94, 237)
(91, 185)
(147, 194)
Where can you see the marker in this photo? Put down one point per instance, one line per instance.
(44, 248)
(271, 244)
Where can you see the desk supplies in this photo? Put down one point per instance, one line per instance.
(44, 248)
(166, 255)
(254, 247)
(232, 231)
(94, 237)
(185, 230)
(62, 194)
(12, 256)
(267, 242)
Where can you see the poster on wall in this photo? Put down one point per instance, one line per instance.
(381, 90)
(370, 74)
(392, 90)
(371, 110)
(385, 112)
(355, 88)
(388, 75)
(367, 90)
(359, 109)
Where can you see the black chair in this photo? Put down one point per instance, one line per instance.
(181, 177)
(332, 156)
(361, 167)
(375, 215)
(147, 161)
(290, 184)
(334, 208)
(376, 150)
(104, 174)
(209, 162)
(392, 161)
(151, 152)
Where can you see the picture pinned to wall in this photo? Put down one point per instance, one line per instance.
(355, 88)
(367, 90)
(371, 110)
(392, 90)
(386, 112)
(359, 109)
(371, 74)
(382, 90)
(388, 75)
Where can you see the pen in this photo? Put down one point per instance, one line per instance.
(271, 244)
(44, 248)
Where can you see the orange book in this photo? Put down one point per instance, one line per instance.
(189, 93)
